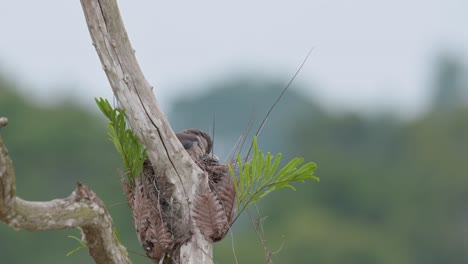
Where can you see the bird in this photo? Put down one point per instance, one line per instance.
(197, 143)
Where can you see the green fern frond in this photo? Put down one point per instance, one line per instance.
(259, 177)
(125, 141)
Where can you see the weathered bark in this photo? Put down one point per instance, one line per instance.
(134, 94)
(82, 208)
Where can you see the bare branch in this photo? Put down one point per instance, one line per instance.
(82, 208)
(134, 94)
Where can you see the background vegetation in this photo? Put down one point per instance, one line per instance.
(392, 190)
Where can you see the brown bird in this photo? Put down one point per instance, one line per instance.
(196, 142)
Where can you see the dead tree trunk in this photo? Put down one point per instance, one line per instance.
(203, 199)
(134, 94)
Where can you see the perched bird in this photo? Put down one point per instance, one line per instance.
(196, 142)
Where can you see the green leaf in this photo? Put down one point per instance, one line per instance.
(125, 141)
(74, 251)
(78, 240)
(117, 236)
(82, 245)
(258, 177)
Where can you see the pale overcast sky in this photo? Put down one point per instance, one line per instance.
(368, 53)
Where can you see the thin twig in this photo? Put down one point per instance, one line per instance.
(260, 235)
(213, 135)
(233, 246)
(278, 99)
(240, 141)
(249, 127)
(280, 248)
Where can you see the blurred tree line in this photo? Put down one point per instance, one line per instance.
(391, 191)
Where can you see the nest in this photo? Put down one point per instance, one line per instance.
(157, 214)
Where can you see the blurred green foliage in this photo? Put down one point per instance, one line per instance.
(391, 191)
(53, 147)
